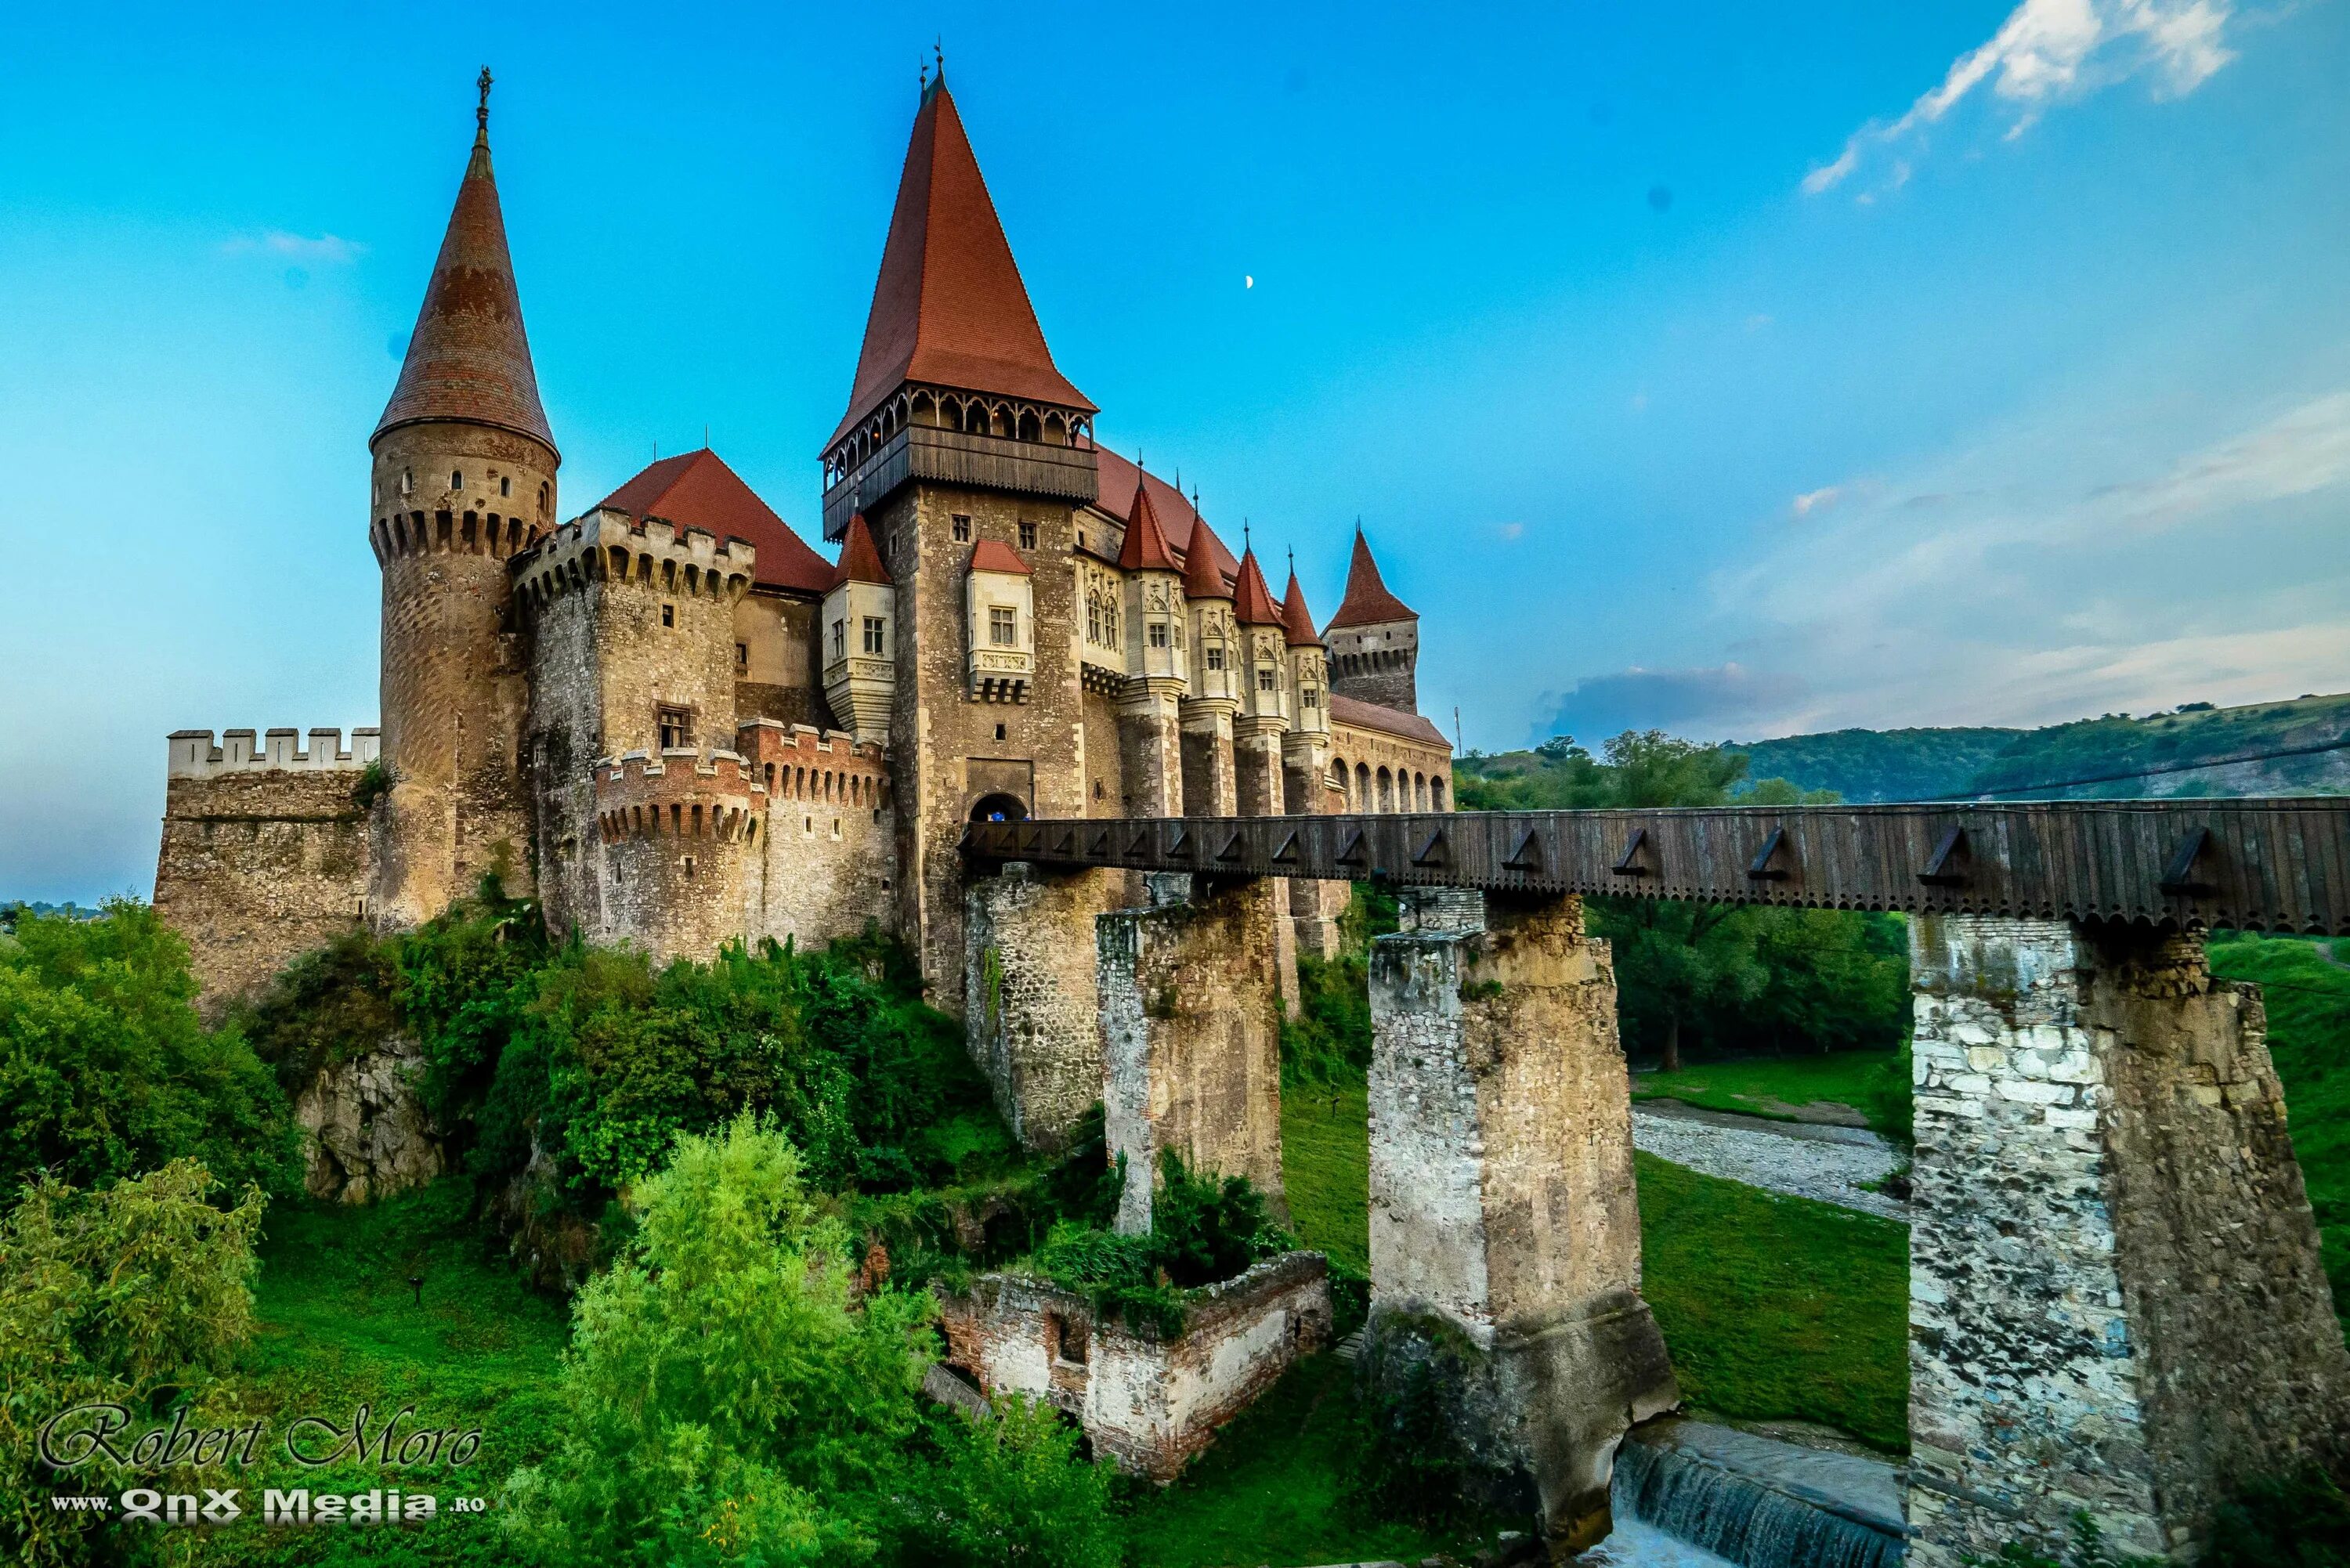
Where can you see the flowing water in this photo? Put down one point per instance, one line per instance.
(1689, 1494)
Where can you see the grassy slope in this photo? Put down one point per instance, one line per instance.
(1772, 1307)
(1876, 1083)
(2309, 1035)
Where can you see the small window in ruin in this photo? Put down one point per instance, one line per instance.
(1003, 626)
(1067, 1339)
(676, 725)
(669, 615)
(962, 529)
(689, 867)
(742, 656)
(1027, 535)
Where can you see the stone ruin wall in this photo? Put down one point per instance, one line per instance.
(265, 854)
(1151, 1403)
(2116, 1304)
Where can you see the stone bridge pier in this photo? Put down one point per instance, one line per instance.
(2116, 1304)
(1505, 1227)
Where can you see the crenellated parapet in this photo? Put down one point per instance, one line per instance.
(681, 793)
(195, 755)
(609, 547)
(798, 763)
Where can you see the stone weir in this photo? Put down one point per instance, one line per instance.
(1758, 1501)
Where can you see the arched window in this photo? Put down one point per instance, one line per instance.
(1436, 794)
(1362, 800)
(456, 479)
(546, 499)
(1419, 792)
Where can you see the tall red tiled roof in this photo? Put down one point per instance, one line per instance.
(1146, 548)
(1202, 578)
(1253, 604)
(1368, 601)
(1120, 479)
(1362, 715)
(859, 561)
(948, 306)
(996, 555)
(697, 490)
(1296, 620)
(467, 358)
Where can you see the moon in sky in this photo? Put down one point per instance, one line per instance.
(1248, 280)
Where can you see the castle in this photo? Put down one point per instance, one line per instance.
(677, 724)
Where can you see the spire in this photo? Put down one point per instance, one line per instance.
(1253, 604)
(859, 561)
(1296, 620)
(1202, 578)
(1368, 601)
(1146, 548)
(468, 358)
(948, 308)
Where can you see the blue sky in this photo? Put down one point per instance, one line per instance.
(1736, 369)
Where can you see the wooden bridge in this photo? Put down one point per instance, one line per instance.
(2280, 865)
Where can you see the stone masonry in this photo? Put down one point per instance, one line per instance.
(1191, 1041)
(2116, 1304)
(1031, 1019)
(1505, 1228)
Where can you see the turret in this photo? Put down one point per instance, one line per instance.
(1265, 693)
(1309, 676)
(1211, 776)
(859, 629)
(1154, 598)
(464, 474)
(1374, 640)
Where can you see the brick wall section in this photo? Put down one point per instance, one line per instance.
(258, 864)
(942, 744)
(824, 865)
(2116, 1297)
(1504, 1210)
(453, 672)
(1190, 1040)
(1030, 1018)
(1150, 1404)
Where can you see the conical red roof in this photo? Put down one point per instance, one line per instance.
(859, 561)
(1146, 548)
(1203, 577)
(1296, 620)
(468, 358)
(698, 490)
(1368, 601)
(948, 306)
(1254, 605)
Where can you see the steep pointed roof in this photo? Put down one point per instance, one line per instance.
(1368, 601)
(467, 358)
(1203, 578)
(1146, 548)
(1253, 604)
(948, 306)
(1177, 516)
(859, 561)
(697, 490)
(1296, 620)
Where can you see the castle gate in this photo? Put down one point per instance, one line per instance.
(2116, 1304)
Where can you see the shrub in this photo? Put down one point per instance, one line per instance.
(1012, 1489)
(1204, 1230)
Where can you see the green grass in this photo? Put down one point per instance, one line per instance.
(1874, 1083)
(1773, 1308)
(2309, 1037)
(340, 1327)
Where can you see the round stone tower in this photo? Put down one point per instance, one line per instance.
(463, 478)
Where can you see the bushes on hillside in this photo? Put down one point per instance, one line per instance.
(1204, 1230)
(106, 1070)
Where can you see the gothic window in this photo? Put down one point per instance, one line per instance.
(676, 725)
(1310, 698)
(962, 529)
(1027, 535)
(1110, 623)
(1003, 626)
(873, 635)
(1158, 634)
(546, 499)
(840, 639)
(1093, 617)
(1215, 656)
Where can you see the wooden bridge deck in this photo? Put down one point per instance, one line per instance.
(2278, 865)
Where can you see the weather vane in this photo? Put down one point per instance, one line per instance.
(482, 110)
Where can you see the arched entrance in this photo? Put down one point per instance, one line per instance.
(999, 808)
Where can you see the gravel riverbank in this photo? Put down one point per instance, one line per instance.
(1827, 1163)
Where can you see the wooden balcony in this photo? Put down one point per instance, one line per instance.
(951, 457)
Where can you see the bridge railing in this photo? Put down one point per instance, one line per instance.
(2279, 865)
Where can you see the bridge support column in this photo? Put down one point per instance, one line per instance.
(1032, 1020)
(1505, 1228)
(1191, 1045)
(2115, 1301)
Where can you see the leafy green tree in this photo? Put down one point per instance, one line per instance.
(134, 1295)
(1012, 1489)
(106, 1070)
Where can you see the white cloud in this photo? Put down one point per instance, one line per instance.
(1513, 530)
(2305, 450)
(2047, 51)
(1810, 501)
(327, 248)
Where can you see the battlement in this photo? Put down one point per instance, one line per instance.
(682, 793)
(611, 547)
(798, 762)
(194, 755)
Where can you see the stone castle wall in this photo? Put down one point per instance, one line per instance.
(826, 864)
(778, 676)
(676, 833)
(2116, 1304)
(266, 852)
(1032, 1018)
